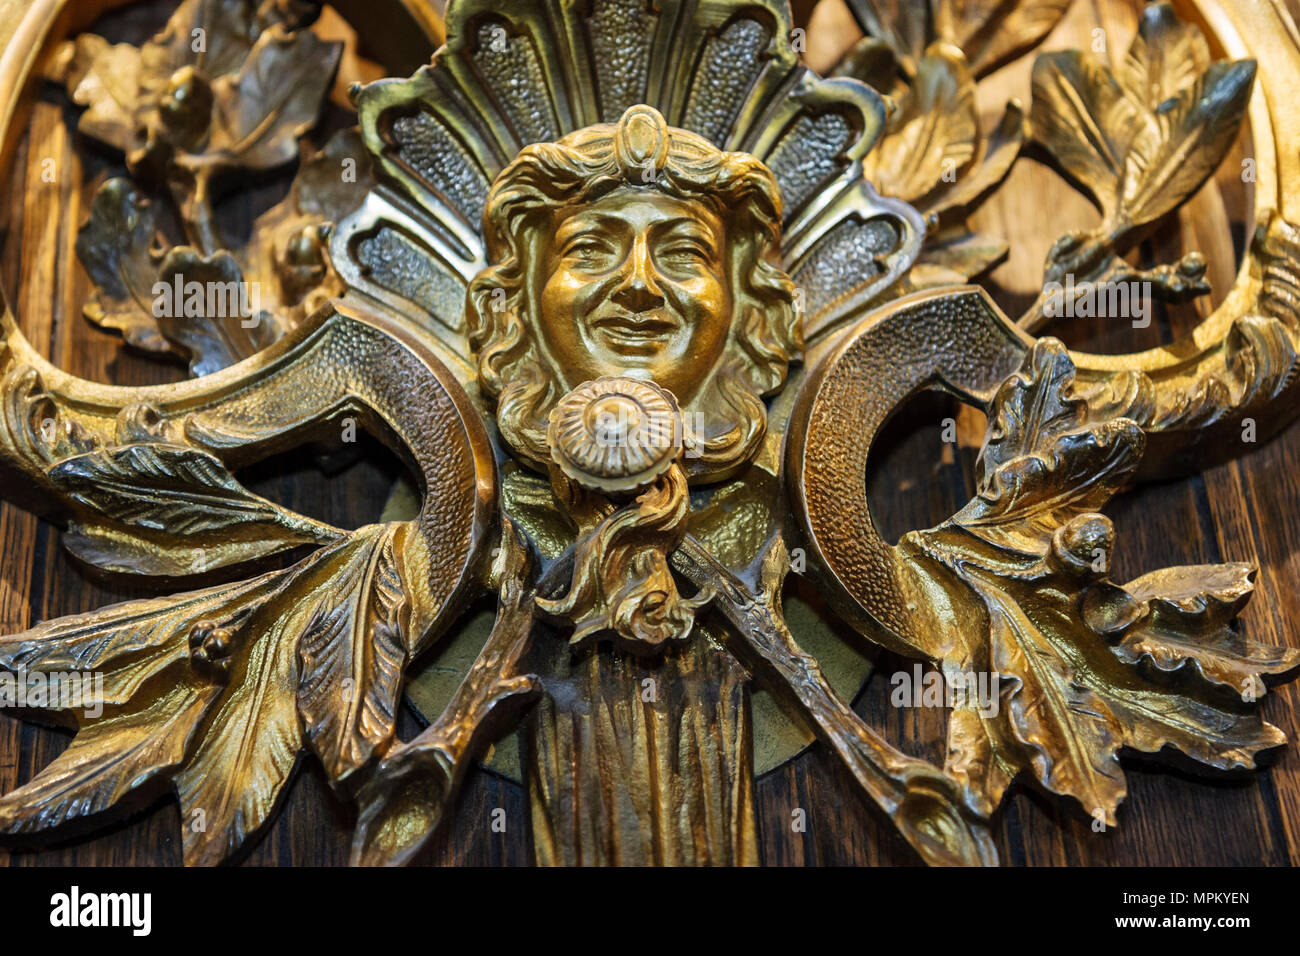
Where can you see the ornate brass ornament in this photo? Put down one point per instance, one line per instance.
(633, 292)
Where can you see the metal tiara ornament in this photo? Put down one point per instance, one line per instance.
(633, 292)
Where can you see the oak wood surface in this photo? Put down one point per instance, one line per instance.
(1247, 510)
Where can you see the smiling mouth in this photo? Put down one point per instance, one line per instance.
(635, 331)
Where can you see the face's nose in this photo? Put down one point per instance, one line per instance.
(638, 287)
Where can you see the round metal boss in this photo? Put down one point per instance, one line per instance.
(615, 434)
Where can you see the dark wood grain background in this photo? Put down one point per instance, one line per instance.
(1248, 510)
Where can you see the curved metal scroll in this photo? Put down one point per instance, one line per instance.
(959, 341)
(344, 362)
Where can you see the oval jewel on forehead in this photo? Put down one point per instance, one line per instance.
(641, 143)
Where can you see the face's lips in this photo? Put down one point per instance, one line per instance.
(642, 326)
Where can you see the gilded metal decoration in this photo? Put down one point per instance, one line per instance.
(633, 292)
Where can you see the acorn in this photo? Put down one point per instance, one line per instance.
(1082, 546)
(305, 248)
(186, 108)
(303, 265)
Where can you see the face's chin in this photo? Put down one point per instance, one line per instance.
(635, 285)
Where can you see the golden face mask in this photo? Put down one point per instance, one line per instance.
(635, 250)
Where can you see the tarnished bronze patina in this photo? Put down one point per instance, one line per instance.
(634, 292)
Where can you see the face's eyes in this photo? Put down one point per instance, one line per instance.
(683, 253)
(678, 251)
(685, 250)
(589, 251)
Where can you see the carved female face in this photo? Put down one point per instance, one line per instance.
(635, 284)
(601, 270)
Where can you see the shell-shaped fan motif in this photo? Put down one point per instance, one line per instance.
(725, 69)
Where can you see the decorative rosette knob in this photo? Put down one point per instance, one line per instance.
(615, 434)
